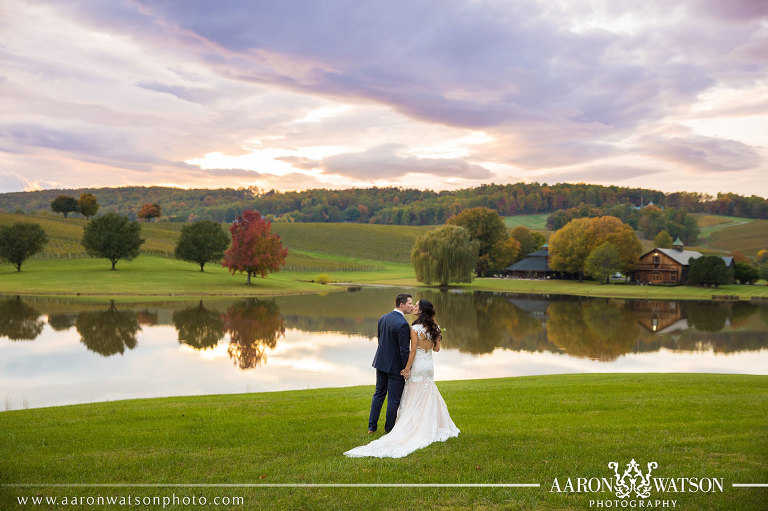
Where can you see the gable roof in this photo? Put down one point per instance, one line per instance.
(544, 252)
(530, 264)
(685, 256)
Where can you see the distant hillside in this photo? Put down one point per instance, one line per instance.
(321, 247)
(394, 206)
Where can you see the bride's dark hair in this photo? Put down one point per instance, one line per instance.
(427, 318)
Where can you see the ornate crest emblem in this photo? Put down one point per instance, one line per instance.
(632, 480)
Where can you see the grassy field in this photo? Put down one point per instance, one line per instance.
(513, 430)
(747, 238)
(390, 243)
(536, 222)
(360, 253)
(153, 277)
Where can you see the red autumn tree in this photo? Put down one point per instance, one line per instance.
(255, 249)
(150, 211)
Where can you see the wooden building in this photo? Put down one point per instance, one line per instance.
(668, 265)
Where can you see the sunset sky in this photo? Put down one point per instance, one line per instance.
(439, 94)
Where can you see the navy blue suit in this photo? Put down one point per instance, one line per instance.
(391, 357)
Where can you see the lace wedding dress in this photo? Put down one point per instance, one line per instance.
(422, 417)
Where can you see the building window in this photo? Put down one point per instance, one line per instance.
(656, 277)
(673, 277)
(656, 258)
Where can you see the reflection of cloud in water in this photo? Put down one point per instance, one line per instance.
(58, 369)
(451, 365)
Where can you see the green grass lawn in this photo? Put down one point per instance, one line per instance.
(391, 243)
(158, 277)
(535, 222)
(349, 253)
(513, 430)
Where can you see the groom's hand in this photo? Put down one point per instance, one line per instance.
(405, 373)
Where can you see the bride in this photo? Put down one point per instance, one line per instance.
(422, 417)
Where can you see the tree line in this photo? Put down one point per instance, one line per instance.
(251, 247)
(390, 205)
(476, 243)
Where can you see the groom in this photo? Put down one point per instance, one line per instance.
(391, 358)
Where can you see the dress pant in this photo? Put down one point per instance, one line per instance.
(388, 385)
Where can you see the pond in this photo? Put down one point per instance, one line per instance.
(59, 351)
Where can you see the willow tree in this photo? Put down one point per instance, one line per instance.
(447, 254)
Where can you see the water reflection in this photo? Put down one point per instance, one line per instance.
(253, 326)
(600, 330)
(199, 327)
(62, 322)
(108, 332)
(19, 321)
(320, 341)
(475, 323)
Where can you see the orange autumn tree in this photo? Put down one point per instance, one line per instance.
(255, 249)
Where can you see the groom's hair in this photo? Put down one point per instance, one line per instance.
(401, 299)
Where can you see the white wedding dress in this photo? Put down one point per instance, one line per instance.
(422, 417)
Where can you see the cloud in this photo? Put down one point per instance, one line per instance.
(385, 162)
(703, 154)
(605, 173)
(11, 182)
(129, 89)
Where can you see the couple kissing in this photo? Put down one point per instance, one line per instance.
(416, 412)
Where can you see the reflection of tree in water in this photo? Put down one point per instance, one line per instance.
(199, 327)
(61, 322)
(147, 317)
(720, 342)
(481, 322)
(108, 332)
(707, 316)
(598, 329)
(253, 326)
(741, 313)
(19, 321)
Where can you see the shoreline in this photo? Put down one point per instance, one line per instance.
(523, 379)
(729, 293)
(155, 278)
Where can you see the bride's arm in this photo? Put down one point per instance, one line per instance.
(412, 354)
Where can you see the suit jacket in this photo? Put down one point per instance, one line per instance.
(394, 343)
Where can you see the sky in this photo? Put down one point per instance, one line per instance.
(431, 94)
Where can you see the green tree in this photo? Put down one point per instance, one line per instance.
(113, 237)
(87, 205)
(570, 246)
(558, 220)
(651, 221)
(202, 242)
(524, 236)
(65, 204)
(708, 270)
(663, 240)
(20, 241)
(487, 227)
(447, 254)
(602, 262)
(763, 270)
(746, 273)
